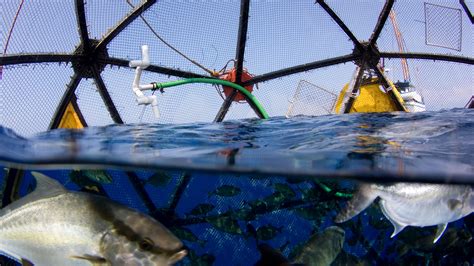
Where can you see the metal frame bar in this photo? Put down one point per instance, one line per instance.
(341, 24)
(239, 55)
(301, 68)
(178, 192)
(242, 39)
(355, 89)
(68, 95)
(137, 185)
(106, 96)
(381, 22)
(124, 23)
(468, 12)
(81, 22)
(152, 68)
(78, 110)
(385, 83)
(77, 77)
(51, 58)
(17, 59)
(427, 56)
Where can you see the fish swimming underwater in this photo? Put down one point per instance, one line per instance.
(413, 204)
(54, 226)
(322, 248)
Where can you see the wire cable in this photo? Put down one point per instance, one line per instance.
(211, 72)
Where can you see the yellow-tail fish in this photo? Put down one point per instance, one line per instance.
(414, 204)
(54, 226)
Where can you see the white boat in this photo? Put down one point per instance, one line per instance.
(413, 100)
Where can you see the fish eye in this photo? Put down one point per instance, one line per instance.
(146, 244)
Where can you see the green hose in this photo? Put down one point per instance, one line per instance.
(337, 193)
(247, 94)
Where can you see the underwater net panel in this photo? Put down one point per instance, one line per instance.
(219, 217)
(443, 26)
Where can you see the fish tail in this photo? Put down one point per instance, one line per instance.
(361, 200)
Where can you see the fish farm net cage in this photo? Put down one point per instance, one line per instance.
(60, 52)
(292, 57)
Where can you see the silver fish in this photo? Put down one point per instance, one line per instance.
(54, 226)
(413, 204)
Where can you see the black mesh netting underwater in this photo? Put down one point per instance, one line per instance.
(115, 66)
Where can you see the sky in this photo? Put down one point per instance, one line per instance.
(280, 34)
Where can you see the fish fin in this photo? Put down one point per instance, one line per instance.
(25, 262)
(454, 204)
(359, 202)
(46, 187)
(177, 256)
(397, 227)
(439, 232)
(94, 260)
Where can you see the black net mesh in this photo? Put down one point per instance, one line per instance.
(443, 26)
(182, 104)
(41, 27)
(413, 23)
(25, 98)
(362, 22)
(91, 105)
(441, 88)
(310, 99)
(297, 54)
(277, 94)
(209, 37)
(287, 33)
(103, 16)
(286, 42)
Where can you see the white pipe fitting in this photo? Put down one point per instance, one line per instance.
(145, 62)
(137, 88)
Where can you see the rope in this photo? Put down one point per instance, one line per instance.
(10, 33)
(13, 26)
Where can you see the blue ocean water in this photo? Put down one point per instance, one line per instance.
(430, 145)
(226, 188)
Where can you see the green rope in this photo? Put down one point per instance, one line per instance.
(241, 89)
